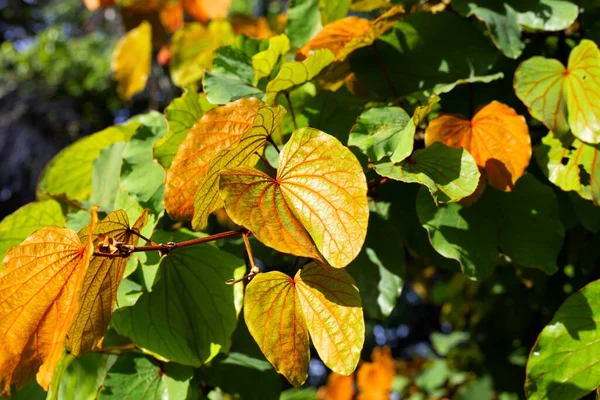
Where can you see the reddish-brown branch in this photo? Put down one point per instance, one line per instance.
(384, 69)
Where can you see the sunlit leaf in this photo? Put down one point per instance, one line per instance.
(564, 98)
(449, 174)
(369, 5)
(497, 138)
(244, 153)
(563, 364)
(281, 311)
(320, 189)
(171, 16)
(250, 26)
(203, 10)
(190, 314)
(217, 130)
(15, 227)
(181, 115)
(36, 309)
(294, 74)
(100, 284)
(131, 60)
(332, 308)
(333, 10)
(192, 49)
(274, 317)
(264, 62)
(338, 387)
(374, 379)
(303, 21)
(388, 131)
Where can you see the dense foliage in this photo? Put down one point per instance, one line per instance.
(325, 168)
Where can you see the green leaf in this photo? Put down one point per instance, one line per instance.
(588, 214)
(190, 314)
(332, 10)
(231, 78)
(563, 364)
(449, 174)
(468, 235)
(304, 21)
(105, 178)
(294, 74)
(70, 171)
(136, 377)
(85, 376)
(443, 343)
(15, 227)
(388, 131)
(181, 115)
(547, 15)
(265, 61)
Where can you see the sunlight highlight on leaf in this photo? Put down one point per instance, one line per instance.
(131, 60)
(264, 62)
(204, 10)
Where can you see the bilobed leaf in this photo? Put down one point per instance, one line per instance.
(275, 320)
(563, 364)
(190, 314)
(131, 60)
(294, 74)
(332, 309)
(449, 174)
(264, 62)
(497, 138)
(192, 49)
(564, 98)
(281, 311)
(320, 189)
(15, 227)
(181, 115)
(100, 284)
(217, 130)
(70, 171)
(39, 297)
(203, 10)
(252, 141)
(388, 131)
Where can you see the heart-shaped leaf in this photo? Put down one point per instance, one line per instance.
(497, 138)
(264, 62)
(207, 198)
(324, 303)
(564, 98)
(219, 129)
(104, 274)
(294, 74)
(39, 289)
(320, 189)
(131, 60)
(449, 174)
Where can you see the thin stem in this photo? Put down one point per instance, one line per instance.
(266, 163)
(254, 269)
(143, 237)
(125, 347)
(270, 140)
(287, 96)
(383, 69)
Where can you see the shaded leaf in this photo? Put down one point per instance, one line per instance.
(203, 10)
(173, 321)
(181, 115)
(99, 289)
(15, 227)
(36, 309)
(304, 21)
(105, 177)
(252, 141)
(563, 363)
(217, 130)
(131, 60)
(564, 98)
(497, 138)
(296, 73)
(320, 190)
(265, 61)
(449, 174)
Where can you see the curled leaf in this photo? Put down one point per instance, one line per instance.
(131, 60)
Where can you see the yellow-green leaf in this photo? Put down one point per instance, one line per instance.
(99, 290)
(207, 197)
(321, 182)
(564, 98)
(219, 129)
(296, 73)
(264, 62)
(131, 60)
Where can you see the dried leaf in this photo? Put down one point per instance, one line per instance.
(131, 60)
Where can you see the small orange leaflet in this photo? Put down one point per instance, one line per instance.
(497, 138)
(36, 309)
(204, 10)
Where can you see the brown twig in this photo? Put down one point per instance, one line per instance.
(125, 347)
(287, 96)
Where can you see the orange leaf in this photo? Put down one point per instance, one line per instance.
(344, 36)
(339, 387)
(497, 138)
(171, 16)
(320, 190)
(99, 290)
(281, 311)
(203, 10)
(257, 28)
(94, 4)
(39, 298)
(375, 378)
(218, 129)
